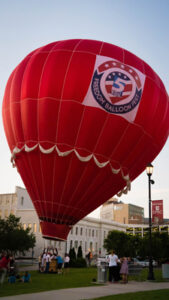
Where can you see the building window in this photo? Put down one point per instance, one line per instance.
(81, 243)
(89, 232)
(96, 248)
(93, 233)
(81, 231)
(76, 230)
(96, 233)
(29, 225)
(71, 244)
(7, 199)
(34, 227)
(85, 246)
(76, 244)
(22, 200)
(91, 246)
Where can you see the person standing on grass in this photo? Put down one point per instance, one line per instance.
(66, 262)
(43, 264)
(112, 260)
(4, 264)
(60, 263)
(47, 262)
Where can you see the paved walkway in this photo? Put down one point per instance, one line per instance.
(91, 292)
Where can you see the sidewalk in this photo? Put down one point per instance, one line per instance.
(92, 292)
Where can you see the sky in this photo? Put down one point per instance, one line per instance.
(142, 27)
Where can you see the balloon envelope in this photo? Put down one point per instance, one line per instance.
(82, 119)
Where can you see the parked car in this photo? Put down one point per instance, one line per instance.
(143, 263)
(154, 263)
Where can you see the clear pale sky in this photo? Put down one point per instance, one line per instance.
(142, 27)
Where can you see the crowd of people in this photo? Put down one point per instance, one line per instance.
(118, 268)
(49, 262)
(9, 268)
(52, 262)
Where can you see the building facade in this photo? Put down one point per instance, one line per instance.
(121, 212)
(89, 232)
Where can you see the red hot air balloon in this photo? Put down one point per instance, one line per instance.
(82, 119)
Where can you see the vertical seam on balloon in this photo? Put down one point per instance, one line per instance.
(137, 142)
(166, 108)
(34, 180)
(5, 119)
(88, 191)
(30, 166)
(10, 107)
(101, 48)
(165, 115)
(40, 156)
(123, 55)
(140, 157)
(22, 124)
(82, 117)
(120, 139)
(100, 134)
(65, 182)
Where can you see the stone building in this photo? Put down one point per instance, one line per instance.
(89, 232)
(121, 212)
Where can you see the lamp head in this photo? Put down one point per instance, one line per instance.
(149, 169)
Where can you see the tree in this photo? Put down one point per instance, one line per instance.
(79, 252)
(13, 237)
(160, 246)
(76, 262)
(72, 254)
(133, 246)
(122, 243)
(117, 241)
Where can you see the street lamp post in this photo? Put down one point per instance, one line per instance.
(149, 170)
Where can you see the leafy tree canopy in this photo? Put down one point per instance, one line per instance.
(13, 237)
(133, 246)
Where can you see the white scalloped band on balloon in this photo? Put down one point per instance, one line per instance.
(125, 190)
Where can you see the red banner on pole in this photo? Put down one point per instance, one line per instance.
(157, 211)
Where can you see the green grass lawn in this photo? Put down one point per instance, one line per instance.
(75, 278)
(150, 295)
(45, 282)
(144, 274)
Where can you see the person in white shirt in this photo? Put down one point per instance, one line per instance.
(43, 261)
(66, 262)
(47, 262)
(113, 268)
